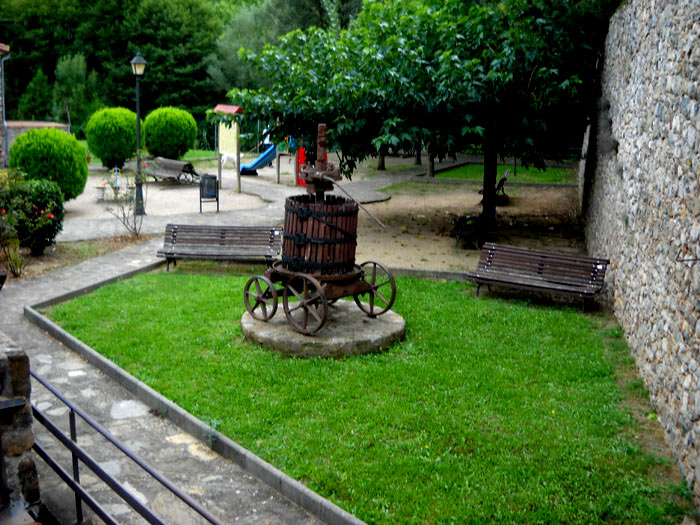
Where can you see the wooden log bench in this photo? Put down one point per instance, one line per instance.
(540, 271)
(221, 243)
(162, 168)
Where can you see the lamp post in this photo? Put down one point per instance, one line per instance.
(138, 66)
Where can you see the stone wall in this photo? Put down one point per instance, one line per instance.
(16, 426)
(643, 205)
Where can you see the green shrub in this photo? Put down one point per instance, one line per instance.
(111, 135)
(34, 212)
(169, 132)
(54, 155)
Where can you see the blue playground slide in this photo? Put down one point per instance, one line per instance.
(264, 159)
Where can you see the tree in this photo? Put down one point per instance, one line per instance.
(75, 93)
(35, 103)
(38, 33)
(175, 37)
(446, 75)
(253, 25)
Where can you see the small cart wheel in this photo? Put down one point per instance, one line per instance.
(305, 304)
(382, 289)
(260, 298)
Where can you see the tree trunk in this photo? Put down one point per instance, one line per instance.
(417, 162)
(381, 162)
(488, 213)
(431, 166)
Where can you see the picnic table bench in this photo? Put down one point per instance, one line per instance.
(221, 243)
(540, 271)
(163, 168)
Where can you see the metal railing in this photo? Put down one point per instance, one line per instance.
(79, 455)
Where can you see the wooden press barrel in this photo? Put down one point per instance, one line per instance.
(319, 237)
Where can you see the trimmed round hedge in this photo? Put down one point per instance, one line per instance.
(111, 135)
(51, 154)
(169, 132)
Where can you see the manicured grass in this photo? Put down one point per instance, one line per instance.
(549, 176)
(199, 154)
(94, 159)
(490, 410)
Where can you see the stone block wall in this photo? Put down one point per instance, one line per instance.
(643, 209)
(16, 426)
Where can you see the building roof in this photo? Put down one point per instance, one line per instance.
(227, 109)
(4, 49)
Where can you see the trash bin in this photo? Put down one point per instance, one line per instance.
(208, 190)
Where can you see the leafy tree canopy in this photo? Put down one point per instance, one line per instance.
(446, 74)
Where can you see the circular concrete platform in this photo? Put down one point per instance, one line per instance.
(347, 331)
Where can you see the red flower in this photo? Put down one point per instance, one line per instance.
(51, 216)
(3, 212)
(145, 165)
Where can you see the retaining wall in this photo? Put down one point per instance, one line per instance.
(20, 474)
(643, 205)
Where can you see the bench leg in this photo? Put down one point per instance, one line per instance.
(478, 286)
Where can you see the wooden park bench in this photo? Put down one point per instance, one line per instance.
(221, 243)
(536, 270)
(162, 168)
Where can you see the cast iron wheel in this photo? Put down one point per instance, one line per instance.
(305, 304)
(382, 289)
(260, 298)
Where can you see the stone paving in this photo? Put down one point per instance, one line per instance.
(222, 487)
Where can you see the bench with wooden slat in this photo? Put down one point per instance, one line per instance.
(540, 271)
(163, 168)
(221, 243)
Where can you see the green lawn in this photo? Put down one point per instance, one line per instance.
(490, 410)
(549, 176)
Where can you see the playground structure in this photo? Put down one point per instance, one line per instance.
(265, 158)
(318, 258)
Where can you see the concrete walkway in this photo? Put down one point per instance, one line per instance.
(228, 491)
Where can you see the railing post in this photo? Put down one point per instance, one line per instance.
(76, 469)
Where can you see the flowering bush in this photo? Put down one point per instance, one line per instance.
(37, 210)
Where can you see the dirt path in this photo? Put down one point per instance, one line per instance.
(420, 216)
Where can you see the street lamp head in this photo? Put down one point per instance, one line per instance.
(138, 65)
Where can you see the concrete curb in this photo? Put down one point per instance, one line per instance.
(307, 499)
(91, 288)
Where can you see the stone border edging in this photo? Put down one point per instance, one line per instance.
(295, 491)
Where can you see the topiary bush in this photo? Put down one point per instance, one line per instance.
(169, 132)
(35, 207)
(111, 136)
(54, 155)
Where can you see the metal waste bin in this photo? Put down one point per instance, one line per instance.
(208, 190)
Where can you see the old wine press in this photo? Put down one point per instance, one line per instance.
(318, 257)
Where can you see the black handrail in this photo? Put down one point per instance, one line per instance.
(77, 451)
